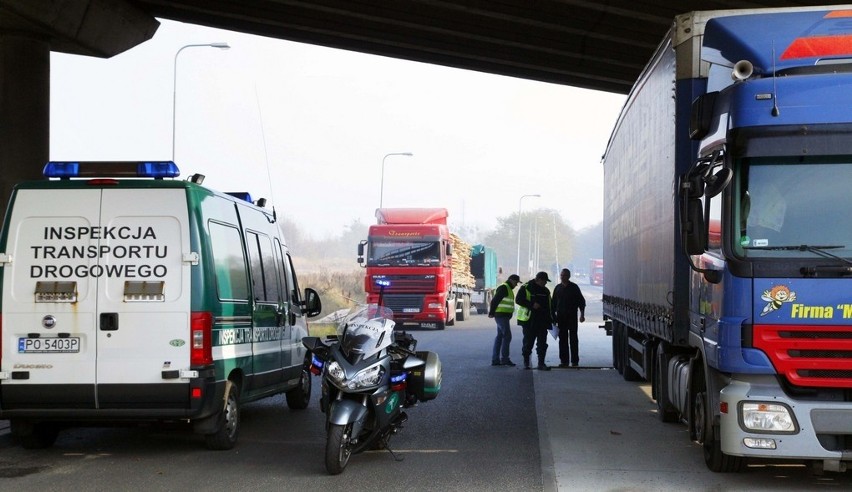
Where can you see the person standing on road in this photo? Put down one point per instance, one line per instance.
(502, 308)
(534, 316)
(567, 299)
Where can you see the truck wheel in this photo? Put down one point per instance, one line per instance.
(34, 435)
(705, 434)
(225, 435)
(299, 397)
(665, 410)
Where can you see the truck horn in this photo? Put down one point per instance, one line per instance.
(743, 69)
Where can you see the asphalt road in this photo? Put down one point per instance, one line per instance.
(491, 428)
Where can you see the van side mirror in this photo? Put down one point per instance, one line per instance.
(313, 304)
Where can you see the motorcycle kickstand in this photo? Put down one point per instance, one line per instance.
(395, 457)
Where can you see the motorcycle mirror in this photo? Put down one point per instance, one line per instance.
(313, 343)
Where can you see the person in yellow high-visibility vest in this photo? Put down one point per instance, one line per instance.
(534, 315)
(501, 309)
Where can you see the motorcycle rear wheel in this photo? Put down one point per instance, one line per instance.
(338, 448)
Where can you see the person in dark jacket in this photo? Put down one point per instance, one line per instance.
(534, 316)
(501, 309)
(567, 299)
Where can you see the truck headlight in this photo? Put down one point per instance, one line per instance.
(767, 417)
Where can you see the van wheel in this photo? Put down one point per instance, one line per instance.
(299, 397)
(225, 435)
(34, 436)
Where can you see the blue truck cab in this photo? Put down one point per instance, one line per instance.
(733, 156)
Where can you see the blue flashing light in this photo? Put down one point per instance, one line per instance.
(111, 169)
(61, 169)
(241, 195)
(383, 282)
(165, 169)
(316, 361)
(398, 378)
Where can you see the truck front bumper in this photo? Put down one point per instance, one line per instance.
(822, 430)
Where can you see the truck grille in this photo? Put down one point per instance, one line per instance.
(416, 284)
(399, 304)
(809, 356)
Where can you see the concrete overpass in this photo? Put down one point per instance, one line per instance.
(595, 44)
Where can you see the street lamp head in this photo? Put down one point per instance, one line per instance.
(221, 46)
(409, 154)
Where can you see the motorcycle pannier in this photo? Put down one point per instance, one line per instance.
(425, 381)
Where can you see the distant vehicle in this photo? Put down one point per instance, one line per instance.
(728, 238)
(131, 297)
(596, 271)
(424, 269)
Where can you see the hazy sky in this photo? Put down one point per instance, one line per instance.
(319, 121)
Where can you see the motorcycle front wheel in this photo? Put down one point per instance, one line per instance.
(338, 448)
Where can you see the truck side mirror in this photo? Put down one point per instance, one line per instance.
(313, 304)
(361, 252)
(701, 116)
(695, 232)
(449, 249)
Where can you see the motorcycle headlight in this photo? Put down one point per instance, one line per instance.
(767, 417)
(366, 378)
(335, 372)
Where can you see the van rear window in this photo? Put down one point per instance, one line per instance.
(230, 263)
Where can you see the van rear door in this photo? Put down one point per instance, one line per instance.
(143, 299)
(50, 300)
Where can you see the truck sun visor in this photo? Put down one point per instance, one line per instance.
(111, 169)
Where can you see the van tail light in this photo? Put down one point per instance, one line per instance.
(201, 337)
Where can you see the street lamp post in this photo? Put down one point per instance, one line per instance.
(382, 189)
(221, 46)
(520, 202)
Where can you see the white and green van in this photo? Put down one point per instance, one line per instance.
(131, 297)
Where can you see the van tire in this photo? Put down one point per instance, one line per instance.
(299, 397)
(228, 426)
(34, 436)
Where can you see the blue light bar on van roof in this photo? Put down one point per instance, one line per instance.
(240, 195)
(111, 169)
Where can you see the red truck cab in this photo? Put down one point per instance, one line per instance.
(408, 265)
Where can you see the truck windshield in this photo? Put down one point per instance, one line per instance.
(789, 207)
(404, 253)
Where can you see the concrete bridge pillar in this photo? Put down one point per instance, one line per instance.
(29, 31)
(24, 109)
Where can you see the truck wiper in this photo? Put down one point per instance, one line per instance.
(817, 250)
(802, 247)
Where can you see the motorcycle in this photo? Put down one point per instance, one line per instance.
(370, 373)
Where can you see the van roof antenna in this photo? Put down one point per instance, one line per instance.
(265, 151)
